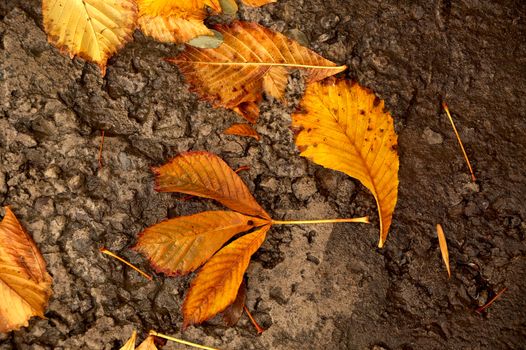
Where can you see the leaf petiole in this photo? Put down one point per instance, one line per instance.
(180, 341)
(364, 219)
(113, 255)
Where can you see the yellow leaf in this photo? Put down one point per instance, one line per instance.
(217, 283)
(257, 3)
(443, 247)
(206, 175)
(148, 344)
(130, 344)
(344, 127)
(25, 285)
(252, 59)
(180, 245)
(242, 130)
(175, 21)
(91, 29)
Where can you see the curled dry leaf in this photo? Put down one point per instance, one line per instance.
(205, 175)
(217, 283)
(175, 21)
(443, 248)
(179, 246)
(252, 59)
(25, 285)
(343, 126)
(91, 29)
(242, 130)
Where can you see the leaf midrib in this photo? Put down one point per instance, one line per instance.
(263, 64)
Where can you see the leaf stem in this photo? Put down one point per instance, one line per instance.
(180, 341)
(113, 255)
(364, 219)
(259, 329)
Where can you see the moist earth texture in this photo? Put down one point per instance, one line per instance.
(311, 287)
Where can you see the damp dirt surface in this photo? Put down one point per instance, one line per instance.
(311, 287)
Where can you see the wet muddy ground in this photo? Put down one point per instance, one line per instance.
(323, 287)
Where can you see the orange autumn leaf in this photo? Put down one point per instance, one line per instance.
(175, 21)
(242, 130)
(251, 60)
(91, 29)
(343, 126)
(179, 246)
(257, 3)
(443, 248)
(217, 283)
(25, 285)
(205, 175)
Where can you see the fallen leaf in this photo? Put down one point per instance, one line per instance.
(148, 344)
(443, 247)
(257, 3)
(252, 59)
(91, 29)
(130, 344)
(233, 313)
(206, 175)
(179, 246)
(242, 130)
(25, 285)
(343, 126)
(207, 41)
(182, 244)
(217, 283)
(175, 21)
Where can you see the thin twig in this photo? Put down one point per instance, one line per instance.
(444, 105)
(113, 255)
(259, 329)
(492, 300)
(100, 149)
(180, 341)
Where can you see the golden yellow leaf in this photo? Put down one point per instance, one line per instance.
(179, 246)
(148, 344)
(206, 175)
(217, 283)
(175, 21)
(443, 248)
(257, 3)
(25, 285)
(343, 126)
(252, 59)
(130, 344)
(91, 29)
(242, 130)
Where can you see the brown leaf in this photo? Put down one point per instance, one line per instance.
(343, 126)
(217, 283)
(25, 285)
(233, 313)
(252, 59)
(179, 246)
(242, 130)
(206, 175)
(91, 29)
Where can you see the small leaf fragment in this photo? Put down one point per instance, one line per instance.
(148, 344)
(175, 21)
(180, 245)
(130, 344)
(25, 285)
(229, 6)
(242, 130)
(443, 248)
(251, 60)
(207, 41)
(217, 283)
(343, 126)
(206, 175)
(91, 29)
